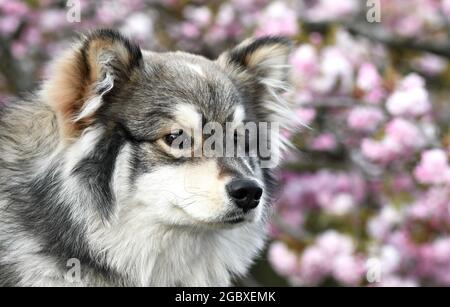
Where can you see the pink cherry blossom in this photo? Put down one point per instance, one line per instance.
(8, 25)
(330, 10)
(446, 8)
(370, 81)
(306, 115)
(314, 265)
(390, 260)
(331, 255)
(441, 250)
(433, 167)
(408, 26)
(380, 226)
(278, 19)
(305, 61)
(368, 77)
(52, 20)
(431, 206)
(384, 151)
(283, 260)
(335, 70)
(324, 142)
(405, 133)
(411, 98)
(202, 16)
(190, 30)
(349, 270)
(365, 118)
(431, 64)
(139, 26)
(334, 243)
(14, 8)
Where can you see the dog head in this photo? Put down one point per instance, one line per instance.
(150, 133)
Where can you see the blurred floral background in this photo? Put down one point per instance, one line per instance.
(364, 199)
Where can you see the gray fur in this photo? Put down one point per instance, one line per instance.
(60, 200)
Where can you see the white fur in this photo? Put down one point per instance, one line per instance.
(196, 69)
(164, 233)
(188, 117)
(166, 228)
(95, 102)
(239, 115)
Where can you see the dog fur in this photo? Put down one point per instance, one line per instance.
(84, 173)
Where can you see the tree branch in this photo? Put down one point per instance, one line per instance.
(17, 80)
(332, 102)
(379, 34)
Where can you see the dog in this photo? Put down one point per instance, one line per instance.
(92, 192)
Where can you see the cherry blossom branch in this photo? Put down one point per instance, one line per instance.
(10, 68)
(332, 102)
(378, 34)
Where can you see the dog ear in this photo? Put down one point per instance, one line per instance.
(260, 67)
(81, 80)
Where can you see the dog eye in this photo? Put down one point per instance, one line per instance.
(170, 138)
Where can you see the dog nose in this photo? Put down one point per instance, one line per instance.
(245, 193)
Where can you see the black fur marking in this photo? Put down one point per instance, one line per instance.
(96, 170)
(8, 276)
(122, 71)
(271, 184)
(44, 214)
(239, 55)
(134, 163)
(135, 53)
